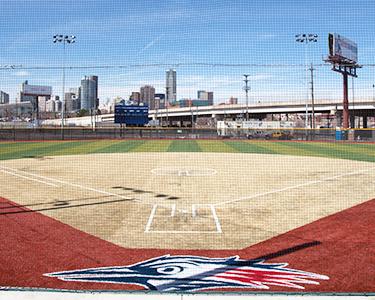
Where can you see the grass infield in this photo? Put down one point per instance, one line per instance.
(16, 150)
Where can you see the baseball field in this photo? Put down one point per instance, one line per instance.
(188, 215)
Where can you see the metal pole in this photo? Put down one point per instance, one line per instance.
(59, 38)
(345, 102)
(307, 90)
(353, 119)
(312, 97)
(63, 94)
(167, 103)
(306, 38)
(247, 88)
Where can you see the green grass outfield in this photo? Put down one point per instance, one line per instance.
(15, 150)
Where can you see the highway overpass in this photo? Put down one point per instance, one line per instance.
(361, 108)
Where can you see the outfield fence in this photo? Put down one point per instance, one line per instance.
(75, 133)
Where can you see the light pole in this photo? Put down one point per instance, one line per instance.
(247, 88)
(64, 39)
(306, 39)
(373, 92)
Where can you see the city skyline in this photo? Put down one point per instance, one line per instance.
(180, 35)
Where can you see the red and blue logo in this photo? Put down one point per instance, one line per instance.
(195, 273)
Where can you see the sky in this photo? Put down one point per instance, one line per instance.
(141, 39)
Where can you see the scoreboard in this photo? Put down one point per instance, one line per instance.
(131, 115)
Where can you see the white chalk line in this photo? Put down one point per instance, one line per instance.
(81, 187)
(29, 178)
(73, 184)
(27, 173)
(217, 222)
(194, 214)
(292, 187)
(151, 218)
(173, 210)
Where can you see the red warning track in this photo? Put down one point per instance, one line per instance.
(340, 246)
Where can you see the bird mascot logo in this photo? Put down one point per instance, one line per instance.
(195, 273)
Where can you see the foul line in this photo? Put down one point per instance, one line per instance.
(68, 183)
(292, 187)
(29, 178)
(74, 185)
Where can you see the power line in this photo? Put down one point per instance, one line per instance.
(176, 65)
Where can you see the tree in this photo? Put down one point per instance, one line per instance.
(82, 113)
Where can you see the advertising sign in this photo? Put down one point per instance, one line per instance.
(38, 90)
(342, 50)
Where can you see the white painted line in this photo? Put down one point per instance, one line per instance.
(293, 187)
(29, 178)
(151, 218)
(173, 211)
(194, 210)
(183, 231)
(217, 222)
(77, 185)
(27, 173)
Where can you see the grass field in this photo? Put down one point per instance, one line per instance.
(16, 150)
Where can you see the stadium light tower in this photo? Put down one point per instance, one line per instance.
(64, 39)
(307, 39)
(246, 89)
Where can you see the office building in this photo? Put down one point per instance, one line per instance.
(170, 86)
(159, 101)
(89, 93)
(4, 98)
(193, 102)
(207, 96)
(50, 106)
(42, 103)
(135, 98)
(148, 96)
(71, 101)
(233, 100)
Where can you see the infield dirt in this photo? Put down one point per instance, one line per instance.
(186, 200)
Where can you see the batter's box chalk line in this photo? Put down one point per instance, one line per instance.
(215, 219)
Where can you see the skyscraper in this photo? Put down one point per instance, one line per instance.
(207, 96)
(148, 96)
(135, 97)
(170, 86)
(4, 98)
(89, 92)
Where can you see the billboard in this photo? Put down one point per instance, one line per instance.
(342, 50)
(37, 90)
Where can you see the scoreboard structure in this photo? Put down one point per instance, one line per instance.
(131, 115)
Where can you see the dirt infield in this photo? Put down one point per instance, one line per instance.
(185, 200)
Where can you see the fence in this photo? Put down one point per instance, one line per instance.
(74, 133)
